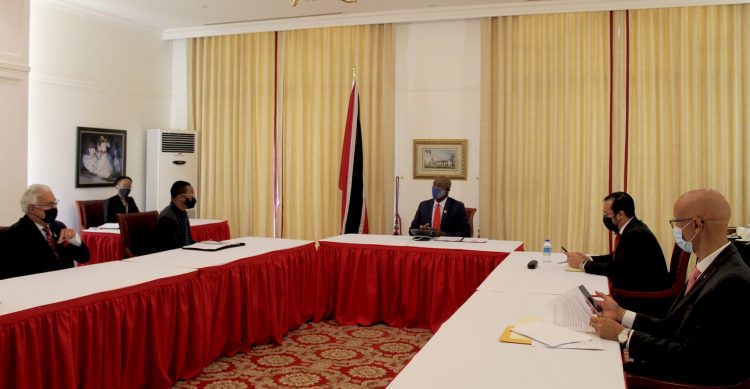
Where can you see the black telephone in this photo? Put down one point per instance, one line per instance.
(589, 298)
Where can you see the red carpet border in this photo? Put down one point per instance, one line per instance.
(318, 355)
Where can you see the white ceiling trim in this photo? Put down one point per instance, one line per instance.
(65, 6)
(431, 14)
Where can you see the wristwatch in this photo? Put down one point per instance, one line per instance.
(622, 337)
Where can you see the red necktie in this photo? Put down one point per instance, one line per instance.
(50, 240)
(691, 281)
(436, 217)
(617, 240)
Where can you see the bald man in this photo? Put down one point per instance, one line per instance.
(705, 337)
(447, 216)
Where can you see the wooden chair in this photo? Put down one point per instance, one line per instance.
(656, 303)
(639, 382)
(90, 213)
(470, 215)
(137, 232)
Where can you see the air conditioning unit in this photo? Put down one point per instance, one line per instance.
(171, 155)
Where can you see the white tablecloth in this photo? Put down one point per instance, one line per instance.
(503, 246)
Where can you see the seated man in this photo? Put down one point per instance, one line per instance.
(37, 243)
(445, 215)
(702, 338)
(173, 225)
(637, 262)
(121, 202)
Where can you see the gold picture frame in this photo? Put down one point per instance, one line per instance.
(440, 157)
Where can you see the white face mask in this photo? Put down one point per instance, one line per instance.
(686, 246)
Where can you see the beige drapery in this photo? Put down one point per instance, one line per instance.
(689, 109)
(545, 129)
(231, 105)
(315, 73)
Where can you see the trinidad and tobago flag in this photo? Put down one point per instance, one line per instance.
(351, 175)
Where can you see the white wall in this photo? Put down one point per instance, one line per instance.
(437, 96)
(92, 71)
(14, 78)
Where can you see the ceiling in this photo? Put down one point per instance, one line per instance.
(186, 18)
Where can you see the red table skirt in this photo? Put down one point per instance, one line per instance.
(106, 246)
(150, 335)
(400, 286)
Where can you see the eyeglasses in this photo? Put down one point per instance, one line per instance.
(51, 204)
(673, 222)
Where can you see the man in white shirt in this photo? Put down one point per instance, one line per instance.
(705, 333)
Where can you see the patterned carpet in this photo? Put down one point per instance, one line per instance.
(318, 355)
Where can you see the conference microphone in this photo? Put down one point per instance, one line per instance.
(532, 264)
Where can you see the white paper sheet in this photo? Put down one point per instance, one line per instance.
(550, 334)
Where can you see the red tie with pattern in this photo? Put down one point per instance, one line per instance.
(436, 217)
(691, 281)
(50, 240)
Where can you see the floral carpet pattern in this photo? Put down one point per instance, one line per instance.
(318, 355)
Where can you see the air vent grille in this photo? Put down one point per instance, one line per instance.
(172, 142)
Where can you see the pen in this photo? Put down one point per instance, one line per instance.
(565, 251)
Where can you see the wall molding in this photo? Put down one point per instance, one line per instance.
(96, 86)
(439, 88)
(15, 67)
(430, 14)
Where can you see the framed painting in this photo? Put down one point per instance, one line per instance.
(100, 156)
(440, 157)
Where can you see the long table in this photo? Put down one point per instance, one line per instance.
(106, 245)
(466, 353)
(151, 320)
(403, 282)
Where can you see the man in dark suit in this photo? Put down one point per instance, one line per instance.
(445, 215)
(173, 225)
(37, 243)
(637, 262)
(121, 202)
(704, 335)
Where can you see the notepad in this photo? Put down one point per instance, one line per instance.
(109, 226)
(211, 245)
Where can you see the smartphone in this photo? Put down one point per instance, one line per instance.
(589, 298)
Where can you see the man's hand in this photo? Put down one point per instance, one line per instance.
(575, 259)
(606, 328)
(425, 226)
(610, 308)
(66, 234)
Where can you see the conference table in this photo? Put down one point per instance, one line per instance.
(105, 244)
(466, 351)
(150, 320)
(402, 282)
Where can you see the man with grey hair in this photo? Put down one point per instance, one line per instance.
(37, 243)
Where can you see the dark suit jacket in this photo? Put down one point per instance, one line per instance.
(453, 222)
(25, 250)
(704, 338)
(170, 229)
(637, 263)
(113, 206)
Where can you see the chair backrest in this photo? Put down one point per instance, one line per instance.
(656, 303)
(470, 215)
(137, 232)
(90, 213)
(640, 382)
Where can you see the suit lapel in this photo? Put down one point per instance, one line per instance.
(704, 277)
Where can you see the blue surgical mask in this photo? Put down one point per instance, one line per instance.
(437, 192)
(124, 192)
(686, 246)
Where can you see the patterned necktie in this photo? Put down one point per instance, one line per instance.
(436, 217)
(186, 228)
(691, 281)
(51, 241)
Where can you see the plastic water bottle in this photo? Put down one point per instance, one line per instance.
(547, 251)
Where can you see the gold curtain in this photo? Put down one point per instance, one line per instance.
(545, 129)
(689, 109)
(231, 105)
(315, 80)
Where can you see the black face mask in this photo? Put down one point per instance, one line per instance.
(50, 215)
(124, 192)
(610, 224)
(190, 203)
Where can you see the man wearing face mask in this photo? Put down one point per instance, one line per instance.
(704, 334)
(38, 243)
(121, 202)
(637, 262)
(173, 225)
(444, 214)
